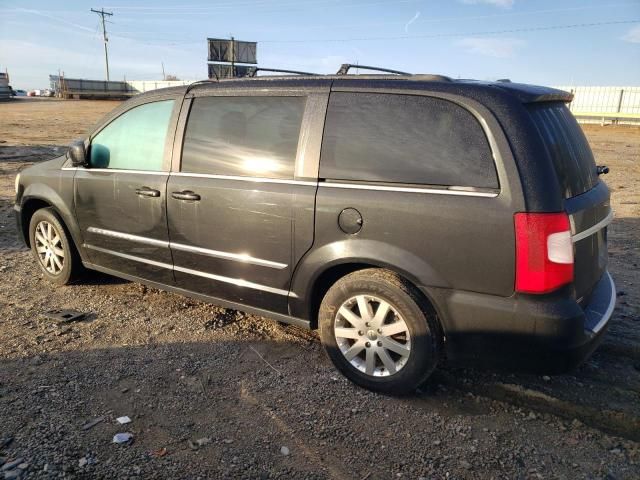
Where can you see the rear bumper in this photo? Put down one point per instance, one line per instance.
(600, 307)
(550, 333)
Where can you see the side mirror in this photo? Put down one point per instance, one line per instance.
(78, 154)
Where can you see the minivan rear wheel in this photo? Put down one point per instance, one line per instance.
(379, 332)
(52, 247)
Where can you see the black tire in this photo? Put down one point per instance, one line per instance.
(424, 333)
(71, 265)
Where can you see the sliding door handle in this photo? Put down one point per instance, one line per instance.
(147, 192)
(186, 195)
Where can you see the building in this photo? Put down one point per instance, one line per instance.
(5, 90)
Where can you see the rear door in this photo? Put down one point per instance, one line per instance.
(241, 201)
(120, 200)
(586, 198)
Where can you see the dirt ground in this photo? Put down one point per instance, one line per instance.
(215, 393)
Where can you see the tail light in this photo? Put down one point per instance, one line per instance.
(544, 252)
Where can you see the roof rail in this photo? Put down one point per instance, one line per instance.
(344, 69)
(252, 72)
(200, 82)
(430, 77)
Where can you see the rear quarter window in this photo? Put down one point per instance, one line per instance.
(567, 146)
(404, 139)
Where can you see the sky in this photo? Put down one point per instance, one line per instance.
(547, 42)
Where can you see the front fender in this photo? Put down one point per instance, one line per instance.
(62, 203)
(355, 251)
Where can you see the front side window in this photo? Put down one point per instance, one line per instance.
(404, 139)
(243, 136)
(135, 140)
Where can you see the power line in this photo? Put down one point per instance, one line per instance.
(44, 14)
(201, 8)
(423, 19)
(169, 41)
(526, 12)
(102, 14)
(456, 34)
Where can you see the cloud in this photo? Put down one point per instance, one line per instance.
(495, 3)
(491, 47)
(633, 35)
(51, 17)
(413, 19)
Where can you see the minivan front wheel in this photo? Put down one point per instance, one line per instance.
(52, 247)
(378, 331)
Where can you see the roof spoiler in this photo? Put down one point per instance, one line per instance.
(534, 94)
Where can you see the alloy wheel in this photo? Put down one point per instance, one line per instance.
(49, 247)
(372, 335)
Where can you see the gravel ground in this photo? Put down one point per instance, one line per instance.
(217, 393)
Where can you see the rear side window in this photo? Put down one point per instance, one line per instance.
(135, 140)
(243, 136)
(567, 146)
(404, 139)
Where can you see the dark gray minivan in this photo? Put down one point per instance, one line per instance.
(410, 218)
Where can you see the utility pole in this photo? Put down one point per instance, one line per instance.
(233, 54)
(102, 13)
(164, 77)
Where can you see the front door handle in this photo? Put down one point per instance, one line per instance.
(147, 192)
(186, 195)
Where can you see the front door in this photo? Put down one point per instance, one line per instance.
(120, 199)
(239, 216)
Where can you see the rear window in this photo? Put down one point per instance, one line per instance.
(404, 139)
(567, 146)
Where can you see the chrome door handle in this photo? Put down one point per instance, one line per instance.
(186, 195)
(147, 192)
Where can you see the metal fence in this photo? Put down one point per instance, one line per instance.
(83, 88)
(141, 86)
(605, 104)
(589, 105)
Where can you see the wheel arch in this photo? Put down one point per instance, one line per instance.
(29, 207)
(34, 202)
(317, 272)
(325, 280)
